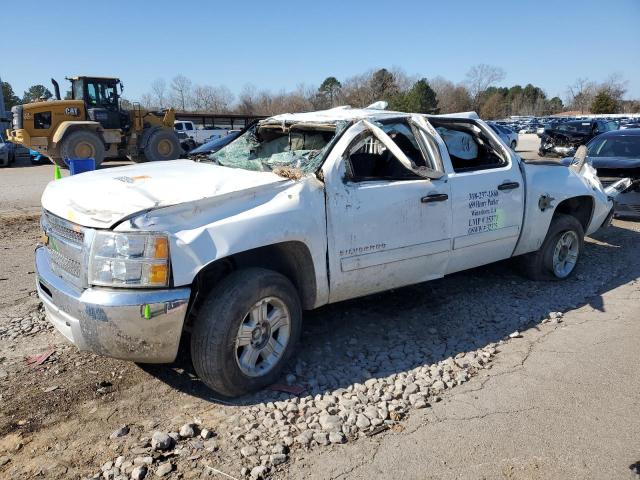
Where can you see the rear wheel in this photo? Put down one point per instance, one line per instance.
(559, 254)
(162, 145)
(81, 144)
(246, 331)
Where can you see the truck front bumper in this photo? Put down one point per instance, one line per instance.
(138, 325)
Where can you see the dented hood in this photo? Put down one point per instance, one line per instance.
(102, 198)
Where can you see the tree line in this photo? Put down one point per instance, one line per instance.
(480, 91)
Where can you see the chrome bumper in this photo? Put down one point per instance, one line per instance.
(138, 325)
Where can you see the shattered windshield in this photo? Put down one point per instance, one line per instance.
(268, 147)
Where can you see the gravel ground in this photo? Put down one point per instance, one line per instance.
(365, 366)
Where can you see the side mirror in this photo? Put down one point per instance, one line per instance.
(579, 158)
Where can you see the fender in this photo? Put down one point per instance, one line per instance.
(65, 126)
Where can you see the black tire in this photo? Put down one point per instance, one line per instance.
(539, 265)
(80, 144)
(213, 347)
(162, 145)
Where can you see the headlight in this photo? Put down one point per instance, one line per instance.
(129, 260)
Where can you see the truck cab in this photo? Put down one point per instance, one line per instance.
(299, 211)
(101, 100)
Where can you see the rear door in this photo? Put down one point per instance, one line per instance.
(487, 191)
(386, 225)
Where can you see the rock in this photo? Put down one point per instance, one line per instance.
(515, 334)
(121, 432)
(164, 469)
(411, 388)
(291, 379)
(321, 438)
(279, 449)
(4, 460)
(187, 431)
(119, 461)
(330, 423)
(362, 422)
(258, 472)
(206, 434)
(277, 458)
(305, 438)
(138, 461)
(138, 473)
(248, 451)
(107, 466)
(161, 441)
(337, 437)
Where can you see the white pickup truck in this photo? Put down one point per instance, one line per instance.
(197, 135)
(300, 211)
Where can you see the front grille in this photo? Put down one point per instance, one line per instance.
(66, 247)
(64, 229)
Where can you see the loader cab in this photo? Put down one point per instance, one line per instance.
(101, 99)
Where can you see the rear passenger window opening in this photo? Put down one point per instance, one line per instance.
(469, 147)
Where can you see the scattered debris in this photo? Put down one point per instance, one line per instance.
(40, 359)
(120, 432)
(293, 389)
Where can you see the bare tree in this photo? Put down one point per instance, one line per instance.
(159, 91)
(480, 77)
(148, 102)
(247, 100)
(580, 94)
(206, 98)
(451, 98)
(181, 87)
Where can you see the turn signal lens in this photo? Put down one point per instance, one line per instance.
(161, 248)
(158, 274)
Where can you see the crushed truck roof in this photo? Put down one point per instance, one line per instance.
(347, 113)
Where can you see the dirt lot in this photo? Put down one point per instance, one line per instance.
(58, 414)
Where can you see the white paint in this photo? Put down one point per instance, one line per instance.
(374, 235)
(101, 198)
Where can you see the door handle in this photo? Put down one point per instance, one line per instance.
(508, 185)
(435, 197)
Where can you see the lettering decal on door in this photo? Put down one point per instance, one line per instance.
(360, 250)
(485, 212)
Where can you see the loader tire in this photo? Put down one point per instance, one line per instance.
(560, 252)
(81, 144)
(162, 145)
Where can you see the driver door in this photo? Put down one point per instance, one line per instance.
(386, 225)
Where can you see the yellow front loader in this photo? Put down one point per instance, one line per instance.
(93, 124)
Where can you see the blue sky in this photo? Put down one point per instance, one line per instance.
(278, 45)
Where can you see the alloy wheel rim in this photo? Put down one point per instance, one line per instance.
(565, 254)
(263, 336)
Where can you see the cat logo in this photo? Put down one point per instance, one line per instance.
(72, 111)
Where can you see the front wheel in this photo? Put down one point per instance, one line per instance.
(81, 144)
(559, 254)
(162, 145)
(246, 331)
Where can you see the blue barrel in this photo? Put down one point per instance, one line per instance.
(80, 165)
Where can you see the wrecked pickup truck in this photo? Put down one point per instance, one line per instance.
(300, 211)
